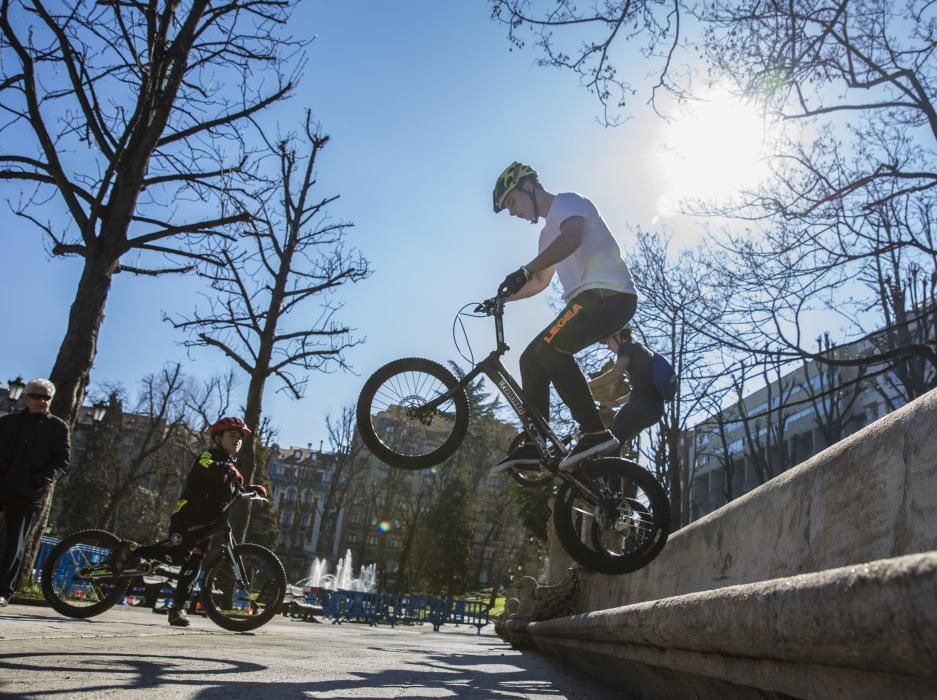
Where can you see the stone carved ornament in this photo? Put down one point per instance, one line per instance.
(535, 602)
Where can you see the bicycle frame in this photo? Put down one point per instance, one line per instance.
(551, 447)
(225, 548)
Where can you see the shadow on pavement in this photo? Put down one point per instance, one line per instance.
(128, 670)
(495, 673)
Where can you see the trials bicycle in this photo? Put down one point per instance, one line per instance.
(242, 589)
(611, 515)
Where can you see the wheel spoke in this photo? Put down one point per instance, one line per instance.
(399, 431)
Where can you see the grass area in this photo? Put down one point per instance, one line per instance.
(484, 596)
(29, 588)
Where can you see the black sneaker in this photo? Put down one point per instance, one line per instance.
(589, 445)
(178, 618)
(526, 456)
(124, 555)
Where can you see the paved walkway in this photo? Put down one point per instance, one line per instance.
(128, 653)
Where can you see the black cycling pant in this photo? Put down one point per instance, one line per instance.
(588, 318)
(643, 409)
(19, 514)
(188, 552)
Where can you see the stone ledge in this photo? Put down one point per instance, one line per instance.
(867, 630)
(647, 673)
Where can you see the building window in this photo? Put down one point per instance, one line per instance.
(352, 538)
(372, 539)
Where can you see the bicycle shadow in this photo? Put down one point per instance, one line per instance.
(129, 670)
(484, 675)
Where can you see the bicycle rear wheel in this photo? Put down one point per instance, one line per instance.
(78, 575)
(254, 602)
(393, 422)
(624, 529)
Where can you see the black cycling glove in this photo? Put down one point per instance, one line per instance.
(512, 283)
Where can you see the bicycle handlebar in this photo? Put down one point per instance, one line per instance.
(251, 495)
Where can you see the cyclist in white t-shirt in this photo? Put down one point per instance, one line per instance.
(600, 299)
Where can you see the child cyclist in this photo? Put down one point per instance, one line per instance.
(600, 298)
(212, 481)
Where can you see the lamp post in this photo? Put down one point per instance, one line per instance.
(15, 389)
(97, 411)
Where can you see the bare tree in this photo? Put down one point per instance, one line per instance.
(600, 34)
(293, 256)
(348, 466)
(123, 115)
(853, 189)
(676, 299)
(119, 112)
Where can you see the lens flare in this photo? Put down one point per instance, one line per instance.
(384, 526)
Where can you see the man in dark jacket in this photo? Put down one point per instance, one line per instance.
(34, 451)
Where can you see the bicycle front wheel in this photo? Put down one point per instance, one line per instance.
(624, 528)
(243, 604)
(78, 575)
(395, 424)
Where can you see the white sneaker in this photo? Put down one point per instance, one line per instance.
(3, 602)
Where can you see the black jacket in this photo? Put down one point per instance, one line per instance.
(34, 450)
(208, 487)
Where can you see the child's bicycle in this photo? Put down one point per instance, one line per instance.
(242, 589)
(610, 515)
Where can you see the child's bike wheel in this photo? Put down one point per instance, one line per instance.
(78, 575)
(393, 422)
(242, 608)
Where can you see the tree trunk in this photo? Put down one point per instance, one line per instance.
(247, 462)
(72, 370)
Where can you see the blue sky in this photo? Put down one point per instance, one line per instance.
(425, 105)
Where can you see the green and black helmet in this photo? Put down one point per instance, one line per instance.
(508, 180)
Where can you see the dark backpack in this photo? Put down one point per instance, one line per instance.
(665, 379)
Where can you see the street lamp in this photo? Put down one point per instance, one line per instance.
(98, 411)
(15, 389)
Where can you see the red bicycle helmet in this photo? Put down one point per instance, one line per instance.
(229, 423)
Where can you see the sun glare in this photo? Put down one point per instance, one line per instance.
(710, 153)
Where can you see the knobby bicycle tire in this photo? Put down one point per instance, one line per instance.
(605, 562)
(450, 426)
(274, 590)
(63, 586)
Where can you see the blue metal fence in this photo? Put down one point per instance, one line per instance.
(374, 608)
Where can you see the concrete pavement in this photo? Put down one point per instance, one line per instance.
(132, 653)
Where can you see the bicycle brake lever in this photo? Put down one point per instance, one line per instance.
(486, 307)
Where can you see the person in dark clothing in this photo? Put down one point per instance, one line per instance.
(34, 452)
(644, 406)
(210, 485)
